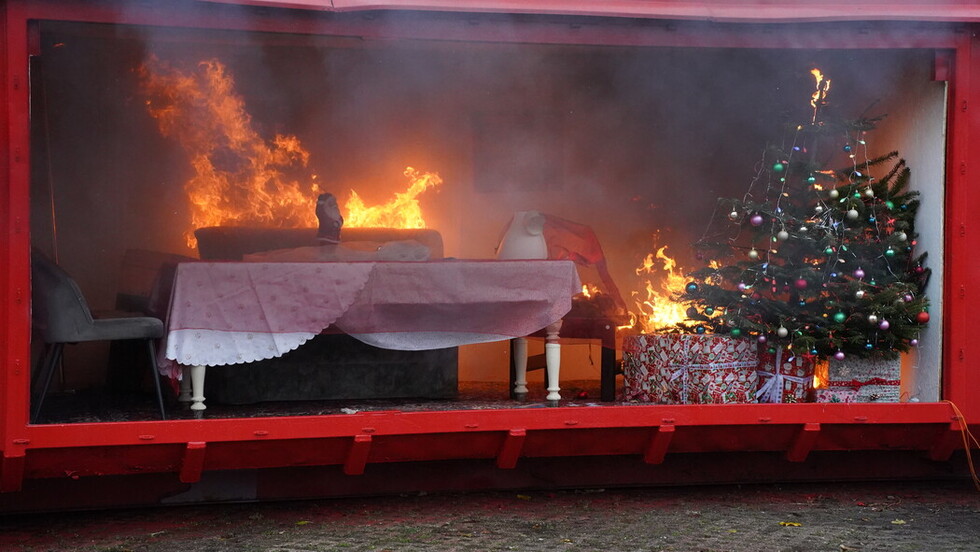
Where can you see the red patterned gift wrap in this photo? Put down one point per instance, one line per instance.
(689, 368)
(873, 380)
(834, 395)
(785, 377)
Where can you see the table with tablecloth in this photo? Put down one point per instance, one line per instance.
(225, 313)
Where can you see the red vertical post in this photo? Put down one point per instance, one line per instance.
(961, 383)
(15, 290)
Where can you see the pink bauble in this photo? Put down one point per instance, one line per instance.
(756, 220)
(884, 325)
(859, 274)
(762, 339)
(914, 342)
(839, 355)
(801, 284)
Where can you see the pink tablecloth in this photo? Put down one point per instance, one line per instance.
(229, 313)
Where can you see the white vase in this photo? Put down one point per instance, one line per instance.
(524, 238)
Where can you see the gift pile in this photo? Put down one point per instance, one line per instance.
(689, 368)
(865, 380)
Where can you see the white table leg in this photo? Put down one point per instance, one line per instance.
(552, 356)
(520, 367)
(197, 383)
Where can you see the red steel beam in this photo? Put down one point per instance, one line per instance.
(197, 444)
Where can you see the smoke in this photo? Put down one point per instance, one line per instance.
(632, 141)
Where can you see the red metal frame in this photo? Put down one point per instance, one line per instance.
(187, 449)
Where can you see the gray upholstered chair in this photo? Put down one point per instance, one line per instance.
(61, 315)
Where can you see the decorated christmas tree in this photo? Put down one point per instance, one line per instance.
(818, 254)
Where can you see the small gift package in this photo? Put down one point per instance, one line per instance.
(872, 380)
(834, 395)
(689, 368)
(785, 377)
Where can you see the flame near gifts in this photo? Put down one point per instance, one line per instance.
(656, 308)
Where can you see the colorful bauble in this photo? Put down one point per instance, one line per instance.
(699, 329)
(839, 355)
(884, 325)
(859, 273)
(778, 167)
(811, 179)
(889, 205)
(709, 310)
(889, 252)
(800, 283)
(828, 251)
(756, 220)
(914, 342)
(869, 346)
(847, 148)
(840, 317)
(742, 286)
(736, 332)
(762, 339)
(691, 287)
(922, 317)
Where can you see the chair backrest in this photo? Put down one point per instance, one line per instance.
(58, 309)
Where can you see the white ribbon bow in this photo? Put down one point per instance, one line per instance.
(772, 390)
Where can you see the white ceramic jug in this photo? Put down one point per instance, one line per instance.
(524, 238)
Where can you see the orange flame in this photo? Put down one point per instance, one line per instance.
(589, 290)
(240, 178)
(403, 211)
(658, 310)
(820, 94)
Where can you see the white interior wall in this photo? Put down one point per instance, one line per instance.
(916, 127)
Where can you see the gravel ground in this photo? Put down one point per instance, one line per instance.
(909, 516)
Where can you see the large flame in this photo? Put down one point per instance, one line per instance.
(403, 211)
(240, 178)
(658, 310)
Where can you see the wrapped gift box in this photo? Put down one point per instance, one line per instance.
(689, 368)
(834, 395)
(785, 377)
(873, 380)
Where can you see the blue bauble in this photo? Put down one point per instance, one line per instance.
(691, 287)
(699, 329)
